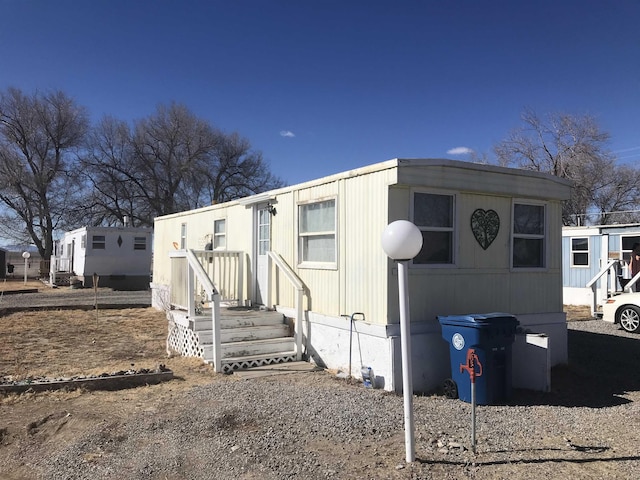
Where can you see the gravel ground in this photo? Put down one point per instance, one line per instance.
(315, 426)
(65, 297)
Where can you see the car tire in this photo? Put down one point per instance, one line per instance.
(629, 318)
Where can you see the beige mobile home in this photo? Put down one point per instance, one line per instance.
(312, 253)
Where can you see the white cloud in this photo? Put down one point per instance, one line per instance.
(287, 133)
(459, 151)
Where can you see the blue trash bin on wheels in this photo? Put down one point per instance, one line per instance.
(487, 338)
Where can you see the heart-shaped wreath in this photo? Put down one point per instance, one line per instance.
(485, 225)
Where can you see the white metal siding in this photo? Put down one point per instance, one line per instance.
(482, 280)
(363, 263)
(114, 259)
(367, 200)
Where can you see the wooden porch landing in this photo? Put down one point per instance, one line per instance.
(279, 369)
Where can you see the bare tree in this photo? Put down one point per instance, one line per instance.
(170, 147)
(618, 196)
(110, 171)
(168, 162)
(235, 171)
(567, 146)
(39, 138)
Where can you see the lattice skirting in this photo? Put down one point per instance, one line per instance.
(241, 365)
(183, 340)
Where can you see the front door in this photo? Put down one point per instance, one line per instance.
(262, 246)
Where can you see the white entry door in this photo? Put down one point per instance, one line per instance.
(263, 245)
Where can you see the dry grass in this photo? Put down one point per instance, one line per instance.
(75, 342)
(16, 284)
(576, 313)
(60, 343)
(64, 343)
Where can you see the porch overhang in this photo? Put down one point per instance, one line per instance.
(256, 199)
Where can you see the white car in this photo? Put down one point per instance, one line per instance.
(623, 309)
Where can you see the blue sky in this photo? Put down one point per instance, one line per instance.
(324, 86)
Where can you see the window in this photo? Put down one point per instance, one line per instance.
(317, 232)
(580, 252)
(139, 243)
(528, 236)
(627, 246)
(219, 234)
(264, 231)
(83, 241)
(98, 242)
(434, 215)
(183, 236)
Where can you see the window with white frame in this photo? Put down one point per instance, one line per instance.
(83, 241)
(529, 236)
(219, 234)
(580, 252)
(139, 243)
(264, 231)
(183, 236)
(627, 246)
(98, 242)
(317, 232)
(434, 215)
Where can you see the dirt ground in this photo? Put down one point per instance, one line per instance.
(66, 343)
(63, 343)
(15, 284)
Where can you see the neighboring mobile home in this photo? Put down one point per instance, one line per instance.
(492, 243)
(120, 256)
(588, 251)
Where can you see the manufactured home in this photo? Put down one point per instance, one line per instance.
(120, 256)
(312, 253)
(595, 262)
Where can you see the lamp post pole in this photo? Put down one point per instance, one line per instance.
(407, 374)
(401, 241)
(26, 256)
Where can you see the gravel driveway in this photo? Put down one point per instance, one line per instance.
(315, 426)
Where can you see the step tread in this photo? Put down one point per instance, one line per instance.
(251, 342)
(246, 334)
(201, 323)
(258, 328)
(255, 327)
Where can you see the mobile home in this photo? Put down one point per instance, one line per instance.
(120, 256)
(595, 261)
(491, 243)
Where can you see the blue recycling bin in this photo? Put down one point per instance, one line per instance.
(486, 339)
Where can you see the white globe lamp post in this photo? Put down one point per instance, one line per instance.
(26, 256)
(401, 241)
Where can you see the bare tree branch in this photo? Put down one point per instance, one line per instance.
(575, 148)
(39, 138)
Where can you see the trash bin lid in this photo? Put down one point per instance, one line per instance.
(479, 320)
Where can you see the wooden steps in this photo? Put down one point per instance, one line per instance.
(249, 338)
